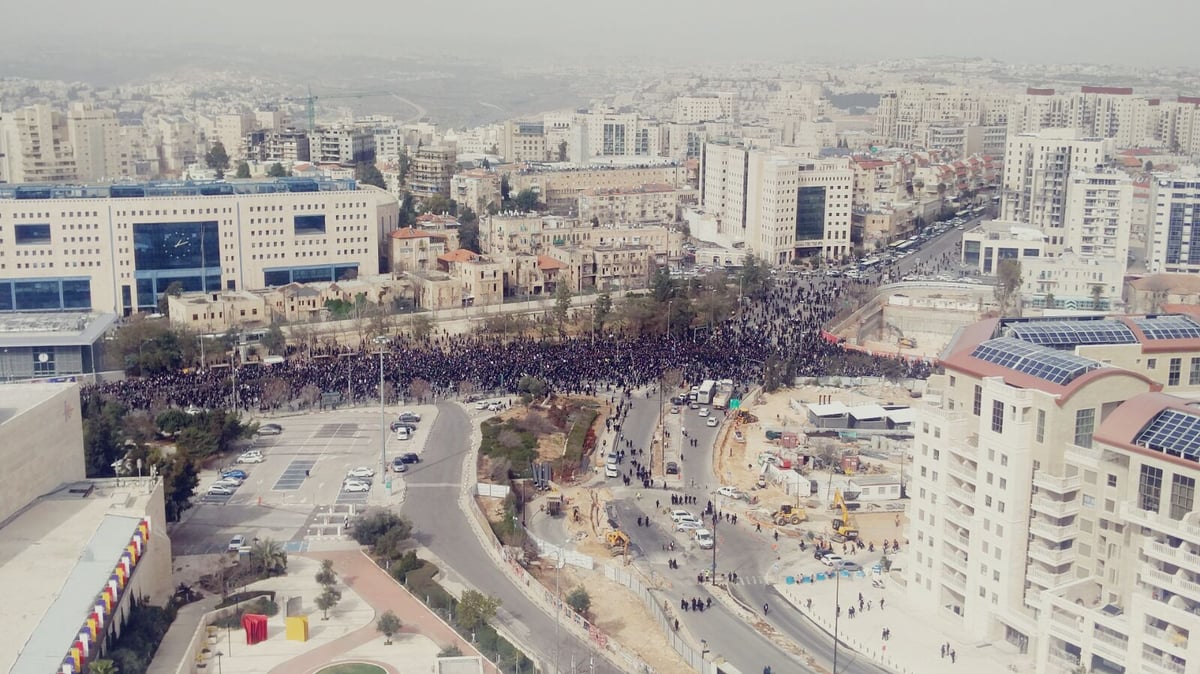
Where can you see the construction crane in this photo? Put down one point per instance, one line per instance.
(310, 102)
(846, 526)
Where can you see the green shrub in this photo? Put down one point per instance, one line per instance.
(261, 606)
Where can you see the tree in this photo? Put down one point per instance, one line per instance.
(505, 188)
(468, 236)
(755, 277)
(1097, 296)
(467, 215)
(175, 289)
(276, 170)
(180, 478)
(1050, 302)
(388, 625)
(269, 556)
(422, 327)
(579, 600)
(102, 667)
(527, 200)
(273, 340)
(370, 526)
(368, 173)
(103, 442)
(243, 170)
(1008, 284)
(326, 576)
(601, 310)
(440, 204)
(536, 388)
(328, 598)
(474, 609)
(217, 158)
(662, 285)
(562, 150)
(562, 307)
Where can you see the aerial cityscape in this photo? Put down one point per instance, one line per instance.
(631, 339)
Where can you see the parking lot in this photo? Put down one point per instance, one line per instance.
(301, 475)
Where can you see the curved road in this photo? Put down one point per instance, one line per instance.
(432, 503)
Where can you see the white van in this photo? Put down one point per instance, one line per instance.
(610, 470)
(403, 433)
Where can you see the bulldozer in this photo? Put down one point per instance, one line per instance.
(788, 514)
(618, 542)
(845, 526)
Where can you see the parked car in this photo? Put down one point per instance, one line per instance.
(410, 457)
(410, 416)
(236, 543)
(674, 410)
(677, 515)
(481, 405)
(610, 470)
(270, 429)
(398, 465)
(831, 560)
(361, 471)
(730, 492)
(251, 457)
(220, 490)
(397, 425)
(672, 468)
(850, 565)
(236, 472)
(688, 525)
(355, 486)
(403, 433)
(704, 539)
(495, 406)
(229, 482)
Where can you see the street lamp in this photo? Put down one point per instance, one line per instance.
(219, 656)
(380, 341)
(837, 612)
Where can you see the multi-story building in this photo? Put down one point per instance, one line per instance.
(718, 107)
(1037, 172)
(432, 168)
(1099, 214)
(117, 248)
(96, 142)
(534, 234)
(348, 146)
(1102, 112)
(616, 267)
(283, 147)
(617, 134)
(560, 188)
(476, 189)
(645, 204)
(217, 312)
(523, 141)
(1053, 486)
(1174, 245)
(905, 115)
(782, 207)
(35, 146)
(416, 250)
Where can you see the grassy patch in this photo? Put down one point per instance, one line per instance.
(507, 440)
(577, 439)
(353, 668)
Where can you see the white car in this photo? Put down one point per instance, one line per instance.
(677, 515)
(403, 434)
(703, 412)
(236, 543)
(251, 457)
(730, 492)
(361, 471)
(495, 407)
(481, 405)
(688, 525)
(831, 560)
(704, 539)
(712, 421)
(355, 486)
(232, 482)
(610, 470)
(220, 490)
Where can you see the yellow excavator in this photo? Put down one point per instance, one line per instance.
(845, 526)
(788, 514)
(618, 541)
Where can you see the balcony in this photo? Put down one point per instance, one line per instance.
(1053, 532)
(1164, 664)
(955, 582)
(1177, 556)
(1045, 578)
(960, 516)
(1055, 483)
(962, 471)
(1153, 520)
(1051, 556)
(1174, 639)
(1176, 583)
(963, 496)
(1055, 508)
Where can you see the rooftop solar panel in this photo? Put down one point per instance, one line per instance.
(1040, 361)
(1060, 334)
(1171, 326)
(1174, 433)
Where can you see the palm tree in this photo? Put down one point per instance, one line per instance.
(269, 556)
(102, 667)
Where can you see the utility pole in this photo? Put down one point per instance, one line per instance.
(716, 517)
(837, 612)
(380, 341)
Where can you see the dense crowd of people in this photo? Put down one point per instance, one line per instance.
(781, 325)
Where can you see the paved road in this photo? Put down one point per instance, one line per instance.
(439, 524)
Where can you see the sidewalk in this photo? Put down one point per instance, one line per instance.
(917, 636)
(175, 647)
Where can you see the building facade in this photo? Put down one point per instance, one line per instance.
(1174, 245)
(645, 204)
(117, 248)
(431, 171)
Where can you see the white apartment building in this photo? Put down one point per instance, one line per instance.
(645, 204)
(476, 189)
(96, 141)
(117, 248)
(718, 107)
(35, 146)
(1102, 112)
(617, 134)
(905, 114)
(523, 141)
(560, 188)
(1174, 245)
(345, 145)
(782, 207)
(1037, 170)
(1099, 214)
(1053, 491)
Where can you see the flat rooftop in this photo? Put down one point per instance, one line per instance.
(175, 188)
(17, 398)
(60, 328)
(55, 557)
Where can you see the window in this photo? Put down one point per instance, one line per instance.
(1173, 370)
(997, 416)
(1183, 493)
(1194, 373)
(32, 235)
(1149, 488)
(43, 362)
(1151, 363)
(309, 224)
(1085, 423)
(1112, 480)
(1041, 426)
(978, 404)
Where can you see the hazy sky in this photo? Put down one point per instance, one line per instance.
(1150, 32)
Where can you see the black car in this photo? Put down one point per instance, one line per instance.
(410, 457)
(410, 418)
(672, 468)
(678, 400)
(397, 425)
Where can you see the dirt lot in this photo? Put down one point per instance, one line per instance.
(620, 614)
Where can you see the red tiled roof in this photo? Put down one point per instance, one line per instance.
(458, 255)
(547, 263)
(1194, 100)
(413, 233)
(1031, 91)
(1115, 91)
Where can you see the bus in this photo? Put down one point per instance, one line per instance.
(704, 395)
